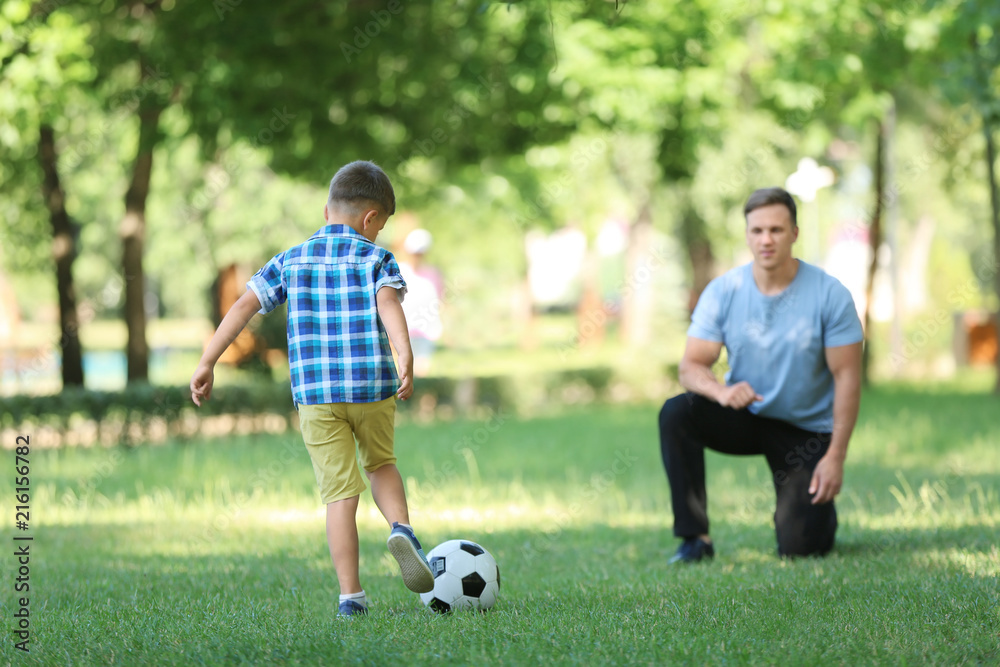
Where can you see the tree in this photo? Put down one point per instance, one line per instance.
(399, 84)
(651, 77)
(43, 71)
(981, 65)
(64, 252)
(855, 61)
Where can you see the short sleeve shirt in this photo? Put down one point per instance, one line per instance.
(777, 343)
(338, 350)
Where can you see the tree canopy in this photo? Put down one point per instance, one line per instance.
(200, 130)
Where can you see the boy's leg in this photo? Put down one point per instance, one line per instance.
(374, 426)
(389, 494)
(801, 528)
(331, 447)
(403, 544)
(342, 536)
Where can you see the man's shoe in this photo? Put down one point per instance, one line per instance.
(352, 608)
(692, 550)
(405, 548)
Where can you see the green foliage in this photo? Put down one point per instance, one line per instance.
(493, 119)
(44, 65)
(394, 82)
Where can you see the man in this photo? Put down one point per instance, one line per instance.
(793, 343)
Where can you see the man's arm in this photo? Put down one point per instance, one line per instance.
(695, 374)
(845, 364)
(232, 324)
(390, 311)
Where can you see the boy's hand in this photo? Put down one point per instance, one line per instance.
(405, 378)
(201, 384)
(390, 311)
(232, 324)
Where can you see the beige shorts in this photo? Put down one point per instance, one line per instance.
(329, 431)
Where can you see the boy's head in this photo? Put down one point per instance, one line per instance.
(361, 197)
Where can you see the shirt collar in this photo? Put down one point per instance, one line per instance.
(337, 230)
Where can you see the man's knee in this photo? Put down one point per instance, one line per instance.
(673, 413)
(805, 547)
(811, 535)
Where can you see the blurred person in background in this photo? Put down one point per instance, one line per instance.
(423, 299)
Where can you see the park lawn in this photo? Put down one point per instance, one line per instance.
(213, 552)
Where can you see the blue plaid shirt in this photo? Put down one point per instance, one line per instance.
(338, 350)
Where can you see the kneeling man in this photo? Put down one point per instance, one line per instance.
(793, 342)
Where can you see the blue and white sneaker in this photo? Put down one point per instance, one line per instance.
(405, 548)
(352, 608)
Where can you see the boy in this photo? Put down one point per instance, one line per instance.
(343, 294)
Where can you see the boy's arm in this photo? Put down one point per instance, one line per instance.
(390, 311)
(232, 324)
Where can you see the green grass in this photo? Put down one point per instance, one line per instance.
(214, 552)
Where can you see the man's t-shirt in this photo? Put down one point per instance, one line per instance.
(776, 343)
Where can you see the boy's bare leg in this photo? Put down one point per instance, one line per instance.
(387, 490)
(342, 536)
(389, 495)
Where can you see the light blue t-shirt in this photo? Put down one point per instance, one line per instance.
(776, 343)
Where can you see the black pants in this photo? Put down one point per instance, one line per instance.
(689, 423)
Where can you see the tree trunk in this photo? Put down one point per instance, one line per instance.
(987, 108)
(874, 241)
(991, 157)
(694, 238)
(64, 253)
(133, 234)
(637, 294)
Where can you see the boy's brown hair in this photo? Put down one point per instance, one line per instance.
(361, 184)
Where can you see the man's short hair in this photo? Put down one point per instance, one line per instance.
(359, 185)
(768, 196)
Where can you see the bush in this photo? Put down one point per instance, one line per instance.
(129, 415)
(145, 413)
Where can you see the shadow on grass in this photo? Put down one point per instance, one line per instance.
(861, 543)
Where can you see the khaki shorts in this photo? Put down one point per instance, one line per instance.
(329, 431)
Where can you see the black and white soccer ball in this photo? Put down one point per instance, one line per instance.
(466, 576)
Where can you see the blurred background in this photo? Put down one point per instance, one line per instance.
(575, 172)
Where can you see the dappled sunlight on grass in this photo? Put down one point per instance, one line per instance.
(223, 543)
(974, 563)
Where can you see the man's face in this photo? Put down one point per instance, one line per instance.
(770, 235)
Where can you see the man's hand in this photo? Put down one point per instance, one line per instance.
(738, 396)
(827, 479)
(201, 384)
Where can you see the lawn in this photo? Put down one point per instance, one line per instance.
(213, 552)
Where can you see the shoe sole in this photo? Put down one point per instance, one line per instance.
(708, 554)
(416, 573)
(353, 614)
(675, 560)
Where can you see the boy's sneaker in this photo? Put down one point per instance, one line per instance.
(405, 548)
(352, 608)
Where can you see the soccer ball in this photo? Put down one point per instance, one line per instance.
(466, 576)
